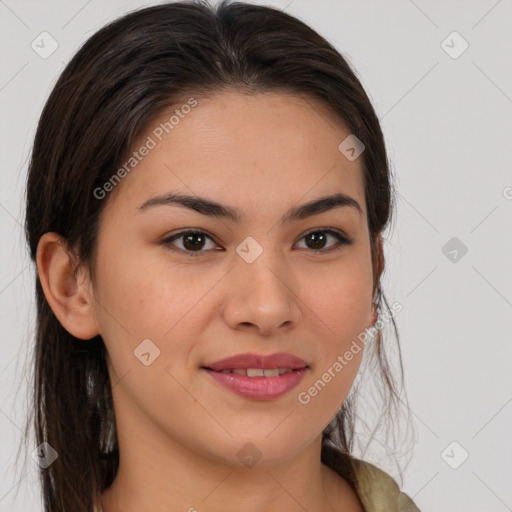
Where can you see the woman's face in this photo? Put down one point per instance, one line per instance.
(254, 285)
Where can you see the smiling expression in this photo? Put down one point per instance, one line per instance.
(247, 172)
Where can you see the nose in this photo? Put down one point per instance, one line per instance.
(262, 296)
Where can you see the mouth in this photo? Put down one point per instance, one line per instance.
(257, 372)
(262, 384)
(253, 364)
(258, 376)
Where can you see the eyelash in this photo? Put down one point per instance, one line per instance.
(342, 241)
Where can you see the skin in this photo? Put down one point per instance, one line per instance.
(179, 431)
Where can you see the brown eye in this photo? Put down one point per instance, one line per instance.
(192, 241)
(316, 240)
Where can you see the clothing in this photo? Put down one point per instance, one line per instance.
(376, 489)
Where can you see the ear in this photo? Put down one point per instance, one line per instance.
(68, 293)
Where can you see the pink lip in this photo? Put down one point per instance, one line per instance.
(258, 388)
(248, 360)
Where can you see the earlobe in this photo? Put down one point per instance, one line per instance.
(69, 296)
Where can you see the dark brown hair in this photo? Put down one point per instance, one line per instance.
(117, 83)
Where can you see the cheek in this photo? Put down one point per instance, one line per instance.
(341, 315)
(341, 299)
(141, 303)
(147, 300)
(340, 306)
(144, 297)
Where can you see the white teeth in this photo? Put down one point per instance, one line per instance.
(258, 372)
(255, 372)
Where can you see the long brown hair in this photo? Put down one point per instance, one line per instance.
(117, 83)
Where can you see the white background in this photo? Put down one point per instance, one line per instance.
(447, 125)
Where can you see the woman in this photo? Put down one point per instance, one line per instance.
(205, 205)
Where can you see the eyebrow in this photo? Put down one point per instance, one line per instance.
(215, 209)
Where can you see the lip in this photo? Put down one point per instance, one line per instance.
(258, 388)
(250, 360)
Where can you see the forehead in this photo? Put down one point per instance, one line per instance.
(261, 149)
